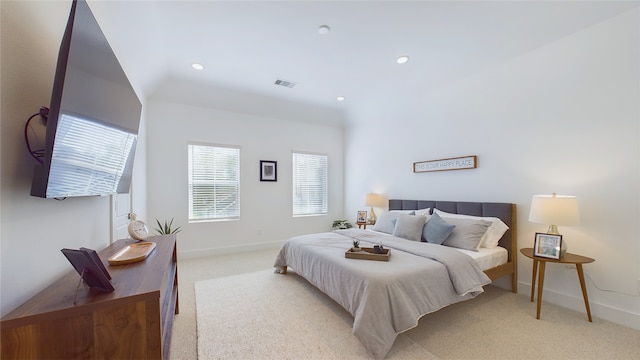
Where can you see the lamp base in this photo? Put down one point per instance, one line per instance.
(371, 218)
(553, 229)
(563, 248)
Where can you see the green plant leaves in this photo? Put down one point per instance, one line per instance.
(341, 224)
(166, 228)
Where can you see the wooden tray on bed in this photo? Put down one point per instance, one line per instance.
(368, 254)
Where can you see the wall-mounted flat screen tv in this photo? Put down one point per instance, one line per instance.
(93, 120)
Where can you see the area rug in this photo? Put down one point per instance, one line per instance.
(263, 315)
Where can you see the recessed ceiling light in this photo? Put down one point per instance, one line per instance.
(197, 66)
(324, 29)
(340, 98)
(402, 59)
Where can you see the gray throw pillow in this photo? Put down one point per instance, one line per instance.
(467, 234)
(409, 227)
(436, 230)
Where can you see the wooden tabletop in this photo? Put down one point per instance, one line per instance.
(568, 258)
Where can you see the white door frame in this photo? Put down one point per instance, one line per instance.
(120, 210)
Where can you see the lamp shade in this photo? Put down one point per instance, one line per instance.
(375, 200)
(554, 210)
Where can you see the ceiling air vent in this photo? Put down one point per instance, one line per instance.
(285, 83)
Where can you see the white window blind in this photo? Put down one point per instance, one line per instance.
(214, 182)
(88, 158)
(309, 184)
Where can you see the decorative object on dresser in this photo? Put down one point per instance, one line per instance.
(555, 210)
(165, 229)
(132, 322)
(91, 269)
(268, 170)
(373, 200)
(457, 163)
(132, 253)
(137, 228)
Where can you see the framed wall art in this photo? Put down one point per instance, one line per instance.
(458, 163)
(547, 245)
(268, 170)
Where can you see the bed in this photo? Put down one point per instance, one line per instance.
(504, 211)
(387, 298)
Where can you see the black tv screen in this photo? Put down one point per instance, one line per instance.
(92, 126)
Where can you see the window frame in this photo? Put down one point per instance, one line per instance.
(325, 186)
(235, 183)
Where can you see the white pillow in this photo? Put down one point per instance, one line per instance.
(409, 227)
(408, 212)
(385, 222)
(467, 233)
(491, 237)
(426, 211)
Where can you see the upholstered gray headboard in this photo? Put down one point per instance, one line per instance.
(504, 211)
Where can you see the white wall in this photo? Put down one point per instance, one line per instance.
(33, 230)
(563, 118)
(266, 207)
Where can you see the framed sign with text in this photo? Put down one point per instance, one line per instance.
(458, 163)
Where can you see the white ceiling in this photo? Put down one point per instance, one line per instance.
(245, 46)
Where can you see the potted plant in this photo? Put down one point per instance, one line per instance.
(166, 228)
(356, 246)
(342, 224)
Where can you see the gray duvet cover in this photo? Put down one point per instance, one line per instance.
(385, 298)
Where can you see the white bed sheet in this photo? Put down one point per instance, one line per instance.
(486, 258)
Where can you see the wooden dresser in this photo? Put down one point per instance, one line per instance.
(132, 322)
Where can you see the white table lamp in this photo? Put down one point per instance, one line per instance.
(373, 200)
(554, 210)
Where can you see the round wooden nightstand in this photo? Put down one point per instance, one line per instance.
(568, 258)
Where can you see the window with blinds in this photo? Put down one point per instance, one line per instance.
(89, 158)
(214, 182)
(310, 180)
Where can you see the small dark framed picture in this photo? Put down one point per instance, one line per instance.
(362, 217)
(547, 245)
(268, 170)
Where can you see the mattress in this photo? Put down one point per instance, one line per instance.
(486, 258)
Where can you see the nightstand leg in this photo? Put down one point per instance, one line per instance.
(540, 286)
(533, 277)
(584, 290)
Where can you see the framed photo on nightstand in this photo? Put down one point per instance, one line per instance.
(547, 245)
(362, 217)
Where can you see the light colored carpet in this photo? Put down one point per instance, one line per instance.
(262, 315)
(497, 325)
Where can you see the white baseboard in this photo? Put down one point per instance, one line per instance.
(183, 255)
(602, 311)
